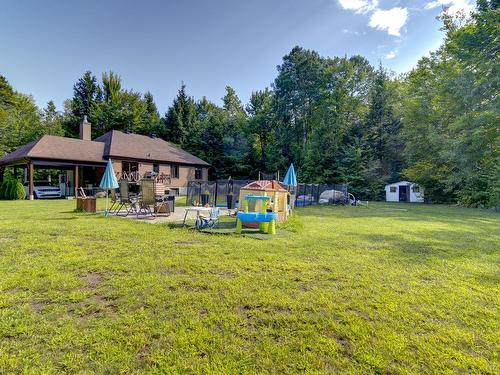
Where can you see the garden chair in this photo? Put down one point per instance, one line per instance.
(209, 222)
(126, 201)
(147, 198)
(115, 201)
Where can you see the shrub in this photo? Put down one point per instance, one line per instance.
(17, 191)
(7, 189)
(3, 185)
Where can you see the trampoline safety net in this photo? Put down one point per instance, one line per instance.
(305, 194)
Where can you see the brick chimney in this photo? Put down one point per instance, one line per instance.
(85, 129)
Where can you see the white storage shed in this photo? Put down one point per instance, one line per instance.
(404, 191)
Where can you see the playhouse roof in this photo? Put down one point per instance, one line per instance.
(264, 185)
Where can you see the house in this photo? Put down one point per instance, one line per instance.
(82, 161)
(404, 191)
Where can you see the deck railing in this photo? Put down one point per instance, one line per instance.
(136, 177)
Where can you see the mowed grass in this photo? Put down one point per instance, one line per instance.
(385, 289)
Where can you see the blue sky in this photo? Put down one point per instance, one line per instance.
(45, 46)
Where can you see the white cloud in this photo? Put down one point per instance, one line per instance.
(391, 20)
(359, 6)
(391, 54)
(453, 6)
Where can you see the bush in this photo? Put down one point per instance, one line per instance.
(17, 191)
(3, 186)
(8, 189)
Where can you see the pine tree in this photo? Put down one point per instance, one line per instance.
(52, 121)
(180, 118)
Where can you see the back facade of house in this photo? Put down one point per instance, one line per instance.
(81, 162)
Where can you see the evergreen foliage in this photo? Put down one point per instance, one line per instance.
(339, 120)
(3, 187)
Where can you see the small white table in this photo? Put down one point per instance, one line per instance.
(195, 209)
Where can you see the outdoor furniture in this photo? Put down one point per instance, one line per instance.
(195, 209)
(126, 201)
(146, 198)
(86, 204)
(115, 200)
(209, 222)
(162, 205)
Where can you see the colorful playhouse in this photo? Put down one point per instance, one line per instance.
(276, 201)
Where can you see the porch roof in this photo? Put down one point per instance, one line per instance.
(50, 147)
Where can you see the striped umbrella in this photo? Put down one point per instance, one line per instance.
(108, 182)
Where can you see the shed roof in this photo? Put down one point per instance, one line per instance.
(401, 183)
(264, 185)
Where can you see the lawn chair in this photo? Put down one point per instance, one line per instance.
(209, 222)
(147, 198)
(115, 201)
(126, 200)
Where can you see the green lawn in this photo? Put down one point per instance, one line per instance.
(384, 289)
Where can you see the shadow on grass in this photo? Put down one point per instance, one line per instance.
(432, 245)
(227, 227)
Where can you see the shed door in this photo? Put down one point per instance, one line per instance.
(404, 193)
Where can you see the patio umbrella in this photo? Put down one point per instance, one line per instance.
(108, 182)
(290, 177)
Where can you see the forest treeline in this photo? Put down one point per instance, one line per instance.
(339, 120)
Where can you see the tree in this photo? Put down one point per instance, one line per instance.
(19, 118)
(382, 127)
(52, 121)
(151, 122)
(260, 127)
(180, 118)
(86, 93)
(451, 113)
(236, 148)
(297, 89)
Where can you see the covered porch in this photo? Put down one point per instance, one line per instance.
(71, 175)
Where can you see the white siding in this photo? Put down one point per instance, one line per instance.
(415, 196)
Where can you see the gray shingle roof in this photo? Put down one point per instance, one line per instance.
(58, 148)
(114, 144)
(141, 147)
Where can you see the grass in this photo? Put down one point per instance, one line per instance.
(384, 289)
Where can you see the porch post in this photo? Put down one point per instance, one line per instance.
(2, 171)
(30, 184)
(75, 180)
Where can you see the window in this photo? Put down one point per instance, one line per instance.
(393, 189)
(415, 188)
(156, 168)
(130, 166)
(174, 171)
(198, 174)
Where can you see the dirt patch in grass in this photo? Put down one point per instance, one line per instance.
(7, 239)
(188, 243)
(92, 280)
(225, 274)
(344, 343)
(38, 306)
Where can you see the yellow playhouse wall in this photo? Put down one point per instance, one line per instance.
(280, 206)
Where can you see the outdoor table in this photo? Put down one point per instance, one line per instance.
(197, 210)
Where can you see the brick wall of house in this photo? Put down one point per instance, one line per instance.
(186, 173)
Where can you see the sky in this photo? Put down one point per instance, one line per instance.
(46, 45)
